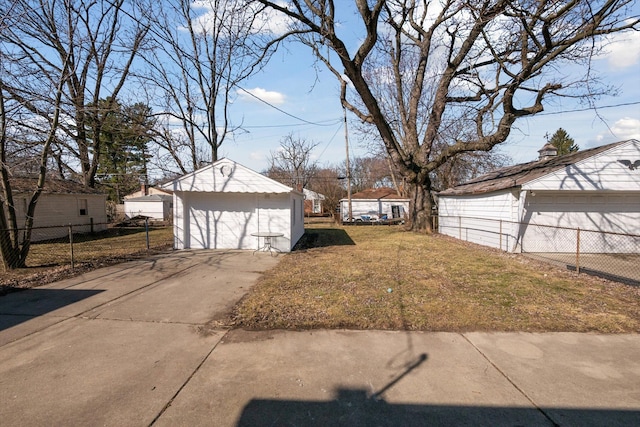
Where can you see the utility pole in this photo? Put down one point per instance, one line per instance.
(346, 142)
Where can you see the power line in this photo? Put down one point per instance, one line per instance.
(280, 109)
(626, 104)
(329, 122)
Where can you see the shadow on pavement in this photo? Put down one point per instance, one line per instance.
(354, 408)
(18, 307)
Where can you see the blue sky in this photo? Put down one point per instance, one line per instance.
(291, 83)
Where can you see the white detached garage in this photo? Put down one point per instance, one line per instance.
(534, 207)
(224, 205)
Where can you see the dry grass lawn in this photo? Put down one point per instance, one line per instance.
(51, 261)
(381, 277)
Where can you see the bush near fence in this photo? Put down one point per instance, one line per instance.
(614, 256)
(76, 244)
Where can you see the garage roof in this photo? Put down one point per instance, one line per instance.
(227, 176)
(516, 176)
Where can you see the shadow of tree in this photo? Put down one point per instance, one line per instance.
(325, 237)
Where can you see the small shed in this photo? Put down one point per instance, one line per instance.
(375, 203)
(224, 205)
(537, 206)
(61, 203)
(157, 207)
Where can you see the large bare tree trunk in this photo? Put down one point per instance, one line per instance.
(441, 79)
(421, 207)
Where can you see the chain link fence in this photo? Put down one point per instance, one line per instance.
(74, 245)
(614, 256)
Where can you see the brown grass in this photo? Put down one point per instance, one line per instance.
(51, 261)
(385, 278)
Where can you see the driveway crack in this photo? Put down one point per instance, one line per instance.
(512, 382)
(184, 384)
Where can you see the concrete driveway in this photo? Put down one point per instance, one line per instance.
(138, 344)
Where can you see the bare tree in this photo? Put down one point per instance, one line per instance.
(203, 50)
(369, 172)
(15, 232)
(487, 63)
(291, 164)
(99, 40)
(328, 182)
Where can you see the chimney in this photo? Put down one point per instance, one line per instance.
(144, 189)
(547, 151)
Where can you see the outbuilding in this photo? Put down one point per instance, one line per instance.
(156, 207)
(375, 204)
(543, 206)
(228, 206)
(61, 204)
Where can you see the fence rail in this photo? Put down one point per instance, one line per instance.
(74, 244)
(612, 255)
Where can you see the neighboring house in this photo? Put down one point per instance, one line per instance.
(375, 203)
(157, 207)
(537, 206)
(223, 206)
(61, 203)
(312, 202)
(146, 190)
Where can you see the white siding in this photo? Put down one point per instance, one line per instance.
(156, 209)
(487, 219)
(221, 221)
(57, 211)
(222, 205)
(226, 176)
(600, 172)
(549, 215)
(366, 207)
(227, 220)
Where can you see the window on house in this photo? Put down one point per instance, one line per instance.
(82, 205)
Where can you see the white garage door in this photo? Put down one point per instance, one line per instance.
(222, 221)
(554, 217)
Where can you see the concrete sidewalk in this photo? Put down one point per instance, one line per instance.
(138, 344)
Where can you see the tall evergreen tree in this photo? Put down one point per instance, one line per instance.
(563, 142)
(125, 133)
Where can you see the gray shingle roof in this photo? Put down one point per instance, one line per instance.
(515, 176)
(51, 186)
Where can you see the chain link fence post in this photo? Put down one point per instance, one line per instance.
(578, 251)
(71, 245)
(146, 228)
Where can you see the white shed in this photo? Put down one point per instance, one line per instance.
(61, 203)
(224, 205)
(538, 206)
(375, 203)
(155, 206)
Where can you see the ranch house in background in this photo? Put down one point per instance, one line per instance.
(375, 204)
(312, 202)
(536, 206)
(61, 203)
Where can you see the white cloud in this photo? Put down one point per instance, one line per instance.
(271, 97)
(271, 21)
(627, 128)
(210, 13)
(623, 50)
